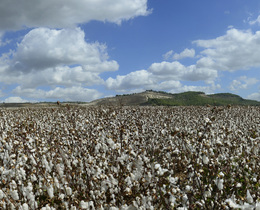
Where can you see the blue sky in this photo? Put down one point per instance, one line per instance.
(84, 50)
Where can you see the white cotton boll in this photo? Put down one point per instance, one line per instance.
(13, 184)
(113, 208)
(239, 185)
(23, 173)
(24, 207)
(84, 205)
(207, 194)
(50, 191)
(173, 180)
(56, 182)
(257, 206)
(207, 120)
(162, 171)
(221, 174)
(32, 160)
(184, 198)
(249, 198)
(187, 188)
(73, 208)
(60, 169)
(157, 166)
(61, 196)
(33, 178)
(29, 187)
(205, 159)
(68, 190)
(219, 183)
(91, 205)
(14, 195)
(232, 204)
(25, 158)
(2, 195)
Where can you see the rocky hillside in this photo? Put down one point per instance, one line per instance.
(190, 98)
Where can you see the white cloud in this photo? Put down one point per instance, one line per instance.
(256, 21)
(56, 57)
(177, 71)
(161, 76)
(43, 48)
(206, 89)
(15, 99)
(167, 55)
(254, 96)
(133, 80)
(236, 50)
(64, 94)
(242, 82)
(187, 53)
(16, 14)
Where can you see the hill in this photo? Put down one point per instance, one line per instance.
(160, 98)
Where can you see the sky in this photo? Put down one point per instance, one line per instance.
(88, 49)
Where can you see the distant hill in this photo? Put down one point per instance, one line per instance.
(152, 98)
(160, 98)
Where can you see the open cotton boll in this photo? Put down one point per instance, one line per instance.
(84, 205)
(14, 194)
(219, 183)
(68, 190)
(24, 207)
(205, 159)
(50, 191)
(249, 198)
(2, 195)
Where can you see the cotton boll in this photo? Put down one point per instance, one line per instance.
(84, 205)
(205, 159)
(25, 206)
(56, 182)
(239, 185)
(157, 166)
(219, 183)
(188, 188)
(13, 184)
(14, 194)
(50, 191)
(68, 190)
(249, 198)
(61, 196)
(2, 195)
(172, 200)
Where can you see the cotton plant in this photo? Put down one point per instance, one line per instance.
(129, 158)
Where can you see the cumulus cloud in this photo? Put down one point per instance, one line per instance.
(15, 99)
(65, 94)
(161, 76)
(254, 96)
(187, 53)
(132, 80)
(56, 57)
(242, 82)
(16, 14)
(43, 48)
(236, 50)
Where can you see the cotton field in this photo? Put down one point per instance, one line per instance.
(130, 158)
